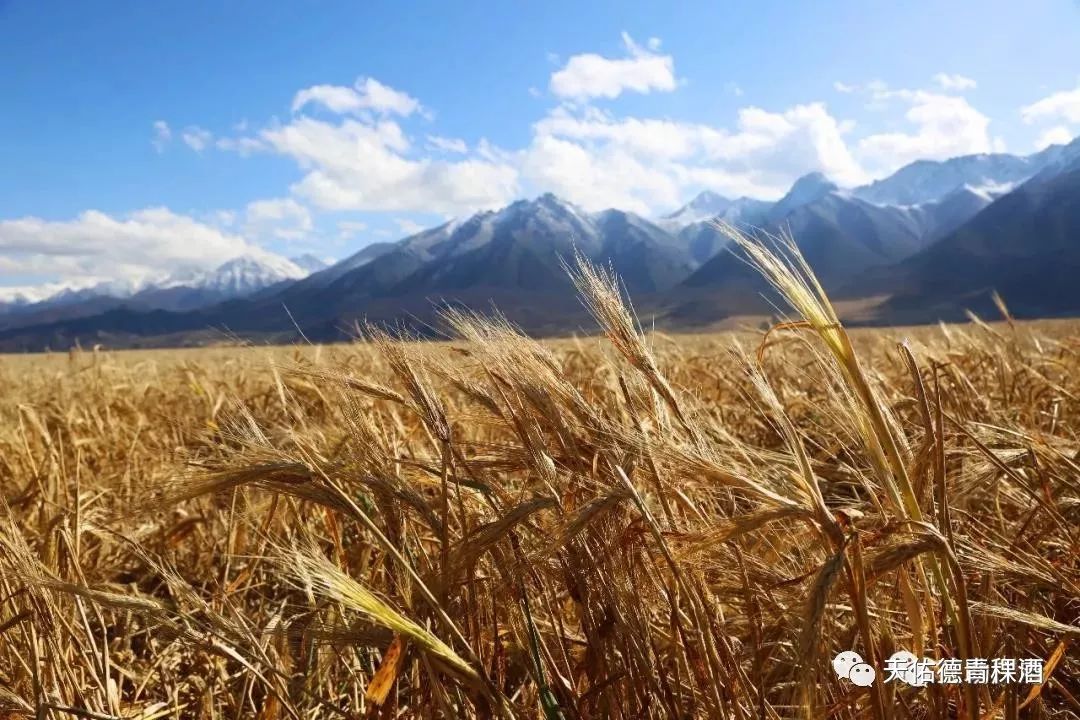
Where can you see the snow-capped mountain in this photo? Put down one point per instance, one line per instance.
(694, 223)
(61, 301)
(182, 290)
(30, 298)
(708, 206)
(512, 253)
(513, 257)
(983, 208)
(240, 277)
(519, 245)
(237, 277)
(13, 298)
(929, 180)
(807, 189)
(992, 174)
(1022, 246)
(705, 206)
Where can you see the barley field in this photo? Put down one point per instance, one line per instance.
(625, 525)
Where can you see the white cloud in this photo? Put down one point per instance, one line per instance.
(655, 138)
(366, 94)
(945, 126)
(243, 146)
(382, 98)
(734, 88)
(348, 229)
(594, 76)
(335, 98)
(597, 178)
(954, 82)
(485, 150)
(196, 138)
(368, 165)
(599, 160)
(223, 218)
(361, 158)
(281, 218)
(450, 145)
(1057, 135)
(95, 246)
(1061, 106)
(876, 91)
(162, 135)
(877, 86)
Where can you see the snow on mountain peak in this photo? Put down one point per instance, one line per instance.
(30, 294)
(242, 275)
(69, 291)
(989, 190)
(554, 203)
(992, 174)
(807, 189)
(706, 205)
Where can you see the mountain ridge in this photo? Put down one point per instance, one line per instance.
(677, 267)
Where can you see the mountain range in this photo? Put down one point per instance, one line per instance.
(184, 290)
(925, 243)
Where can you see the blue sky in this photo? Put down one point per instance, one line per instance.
(139, 137)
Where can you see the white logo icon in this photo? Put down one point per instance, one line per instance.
(843, 662)
(862, 675)
(850, 666)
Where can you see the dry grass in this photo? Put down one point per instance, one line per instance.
(636, 526)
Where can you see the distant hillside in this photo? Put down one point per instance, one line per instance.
(841, 236)
(1026, 246)
(181, 291)
(512, 259)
